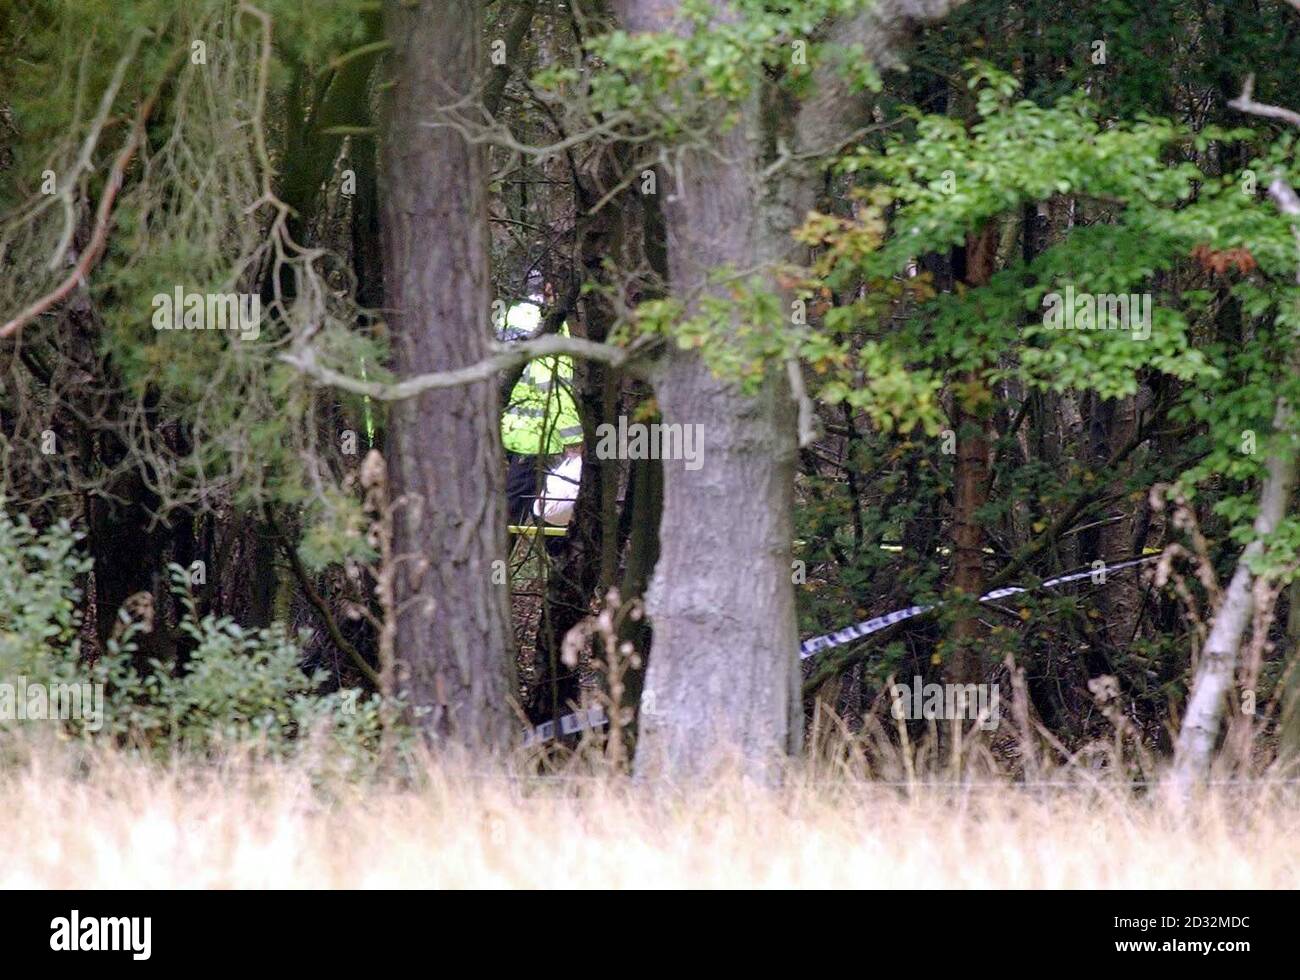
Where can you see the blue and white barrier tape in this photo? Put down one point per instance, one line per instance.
(595, 717)
(857, 631)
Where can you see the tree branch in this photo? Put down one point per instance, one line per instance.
(104, 214)
(809, 427)
(1245, 102)
(515, 35)
(317, 603)
(504, 358)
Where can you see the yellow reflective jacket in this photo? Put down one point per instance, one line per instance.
(541, 417)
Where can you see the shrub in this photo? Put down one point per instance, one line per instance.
(238, 687)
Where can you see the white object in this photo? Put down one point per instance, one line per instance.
(560, 491)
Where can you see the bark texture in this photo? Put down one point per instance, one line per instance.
(722, 684)
(446, 463)
(723, 681)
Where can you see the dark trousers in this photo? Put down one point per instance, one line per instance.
(521, 487)
(524, 474)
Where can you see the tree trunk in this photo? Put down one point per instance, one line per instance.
(724, 674)
(723, 677)
(1195, 748)
(1200, 730)
(970, 493)
(971, 477)
(446, 462)
(643, 512)
(724, 671)
(582, 565)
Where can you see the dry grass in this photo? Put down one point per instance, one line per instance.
(77, 819)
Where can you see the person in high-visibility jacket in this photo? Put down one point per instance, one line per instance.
(540, 419)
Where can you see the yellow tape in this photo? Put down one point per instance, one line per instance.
(532, 529)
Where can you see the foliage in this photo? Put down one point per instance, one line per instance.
(237, 687)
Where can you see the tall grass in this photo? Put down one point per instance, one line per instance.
(75, 817)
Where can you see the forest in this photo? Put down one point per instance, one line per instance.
(517, 407)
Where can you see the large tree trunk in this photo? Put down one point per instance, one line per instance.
(446, 461)
(723, 680)
(724, 673)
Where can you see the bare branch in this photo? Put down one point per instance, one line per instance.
(504, 358)
(1284, 196)
(809, 430)
(1245, 102)
(83, 161)
(104, 215)
(502, 137)
(319, 604)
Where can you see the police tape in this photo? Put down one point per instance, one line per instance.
(570, 724)
(857, 631)
(595, 717)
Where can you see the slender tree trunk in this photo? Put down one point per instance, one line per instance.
(582, 564)
(1200, 730)
(971, 481)
(969, 495)
(446, 462)
(643, 510)
(1195, 747)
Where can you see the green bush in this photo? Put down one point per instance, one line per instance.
(238, 687)
(39, 612)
